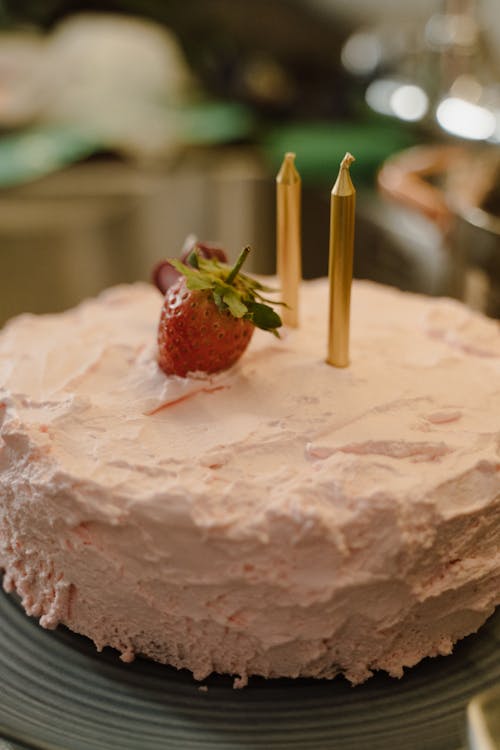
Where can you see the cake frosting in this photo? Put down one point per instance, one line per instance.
(284, 518)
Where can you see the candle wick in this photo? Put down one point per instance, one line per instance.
(347, 161)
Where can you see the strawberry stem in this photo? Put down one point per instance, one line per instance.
(235, 269)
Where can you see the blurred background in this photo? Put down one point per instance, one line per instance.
(126, 125)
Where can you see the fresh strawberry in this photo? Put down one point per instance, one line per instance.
(209, 316)
(164, 275)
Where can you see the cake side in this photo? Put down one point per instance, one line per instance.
(284, 518)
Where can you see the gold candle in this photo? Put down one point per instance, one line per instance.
(342, 212)
(288, 244)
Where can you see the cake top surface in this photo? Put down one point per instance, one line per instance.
(84, 405)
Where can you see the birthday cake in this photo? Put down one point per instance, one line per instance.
(281, 518)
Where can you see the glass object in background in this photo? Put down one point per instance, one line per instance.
(440, 74)
(457, 190)
(385, 57)
(467, 94)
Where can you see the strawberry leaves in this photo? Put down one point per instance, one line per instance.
(234, 303)
(263, 316)
(233, 292)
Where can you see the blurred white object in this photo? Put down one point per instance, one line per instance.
(23, 77)
(466, 119)
(394, 97)
(362, 53)
(483, 721)
(118, 77)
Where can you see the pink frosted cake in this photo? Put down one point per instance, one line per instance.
(283, 518)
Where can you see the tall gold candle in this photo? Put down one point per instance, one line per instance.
(342, 213)
(288, 244)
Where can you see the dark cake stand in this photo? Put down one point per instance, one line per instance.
(57, 693)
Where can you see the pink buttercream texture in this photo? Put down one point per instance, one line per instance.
(285, 518)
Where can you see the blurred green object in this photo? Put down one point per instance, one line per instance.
(320, 147)
(207, 123)
(37, 152)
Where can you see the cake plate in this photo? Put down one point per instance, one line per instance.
(58, 693)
